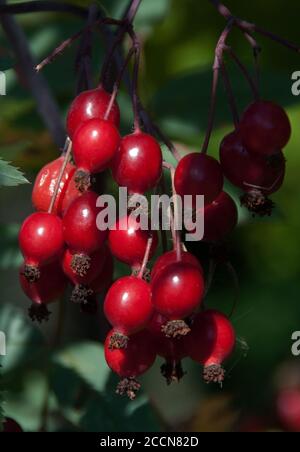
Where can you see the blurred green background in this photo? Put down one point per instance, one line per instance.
(178, 39)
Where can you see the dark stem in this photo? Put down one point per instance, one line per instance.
(127, 20)
(60, 49)
(46, 105)
(134, 92)
(216, 72)
(231, 98)
(83, 62)
(250, 28)
(118, 60)
(245, 72)
(42, 6)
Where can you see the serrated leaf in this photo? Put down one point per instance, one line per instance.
(10, 176)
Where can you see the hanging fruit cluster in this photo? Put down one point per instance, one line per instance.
(162, 315)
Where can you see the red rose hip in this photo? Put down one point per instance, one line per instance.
(45, 185)
(265, 128)
(176, 293)
(41, 241)
(95, 144)
(138, 163)
(130, 362)
(220, 218)
(199, 174)
(91, 104)
(128, 242)
(169, 258)
(81, 231)
(259, 176)
(210, 343)
(50, 286)
(128, 308)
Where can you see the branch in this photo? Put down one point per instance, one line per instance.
(114, 42)
(46, 105)
(221, 45)
(118, 62)
(250, 28)
(83, 63)
(62, 47)
(42, 6)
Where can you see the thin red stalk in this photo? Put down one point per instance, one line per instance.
(171, 168)
(176, 218)
(146, 258)
(60, 176)
(118, 82)
(231, 99)
(164, 238)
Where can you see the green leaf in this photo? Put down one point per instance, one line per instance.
(87, 360)
(10, 176)
(10, 256)
(81, 369)
(24, 342)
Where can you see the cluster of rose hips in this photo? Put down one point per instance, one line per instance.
(62, 242)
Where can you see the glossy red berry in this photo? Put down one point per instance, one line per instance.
(220, 218)
(91, 104)
(128, 308)
(176, 293)
(169, 258)
(210, 343)
(288, 409)
(96, 264)
(172, 350)
(265, 128)
(80, 229)
(11, 426)
(128, 242)
(138, 163)
(199, 174)
(257, 175)
(41, 241)
(132, 361)
(95, 144)
(50, 286)
(45, 185)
